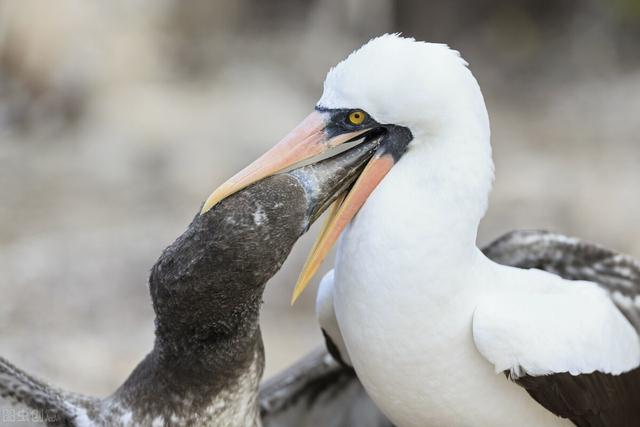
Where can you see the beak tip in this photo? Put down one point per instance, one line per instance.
(295, 296)
(214, 199)
(299, 288)
(205, 208)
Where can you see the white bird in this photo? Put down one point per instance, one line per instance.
(429, 322)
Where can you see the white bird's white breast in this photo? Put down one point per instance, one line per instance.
(408, 280)
(405, 314)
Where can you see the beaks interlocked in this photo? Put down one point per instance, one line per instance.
(307, 140)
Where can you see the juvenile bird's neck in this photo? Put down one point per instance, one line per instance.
(208, 357)
(190, 391)
(207, 288)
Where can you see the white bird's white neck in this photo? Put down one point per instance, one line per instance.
(427, 208)
(435, 196)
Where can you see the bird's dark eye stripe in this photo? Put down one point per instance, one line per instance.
(340, 123)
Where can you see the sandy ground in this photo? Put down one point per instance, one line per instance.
(85, 209)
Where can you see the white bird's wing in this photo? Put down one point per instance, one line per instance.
(588, 374)
(318, 392)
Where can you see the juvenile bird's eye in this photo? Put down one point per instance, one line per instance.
(356, 117)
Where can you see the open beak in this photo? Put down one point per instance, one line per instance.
(393, 145)
(307, 140)
(341, 213)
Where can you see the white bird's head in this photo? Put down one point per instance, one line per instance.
(397, 90)
(395, 80)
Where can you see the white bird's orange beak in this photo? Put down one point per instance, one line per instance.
(305, 141)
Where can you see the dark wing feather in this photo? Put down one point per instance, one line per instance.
(317, 391)
(589, 400)
(334, 351)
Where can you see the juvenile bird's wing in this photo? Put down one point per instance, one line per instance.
(53, 407)
(318, 391)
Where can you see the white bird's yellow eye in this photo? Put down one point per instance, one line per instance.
(356, 117)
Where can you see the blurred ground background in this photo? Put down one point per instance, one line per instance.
(118, 118)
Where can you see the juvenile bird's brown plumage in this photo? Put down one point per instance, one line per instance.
(206, 288)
